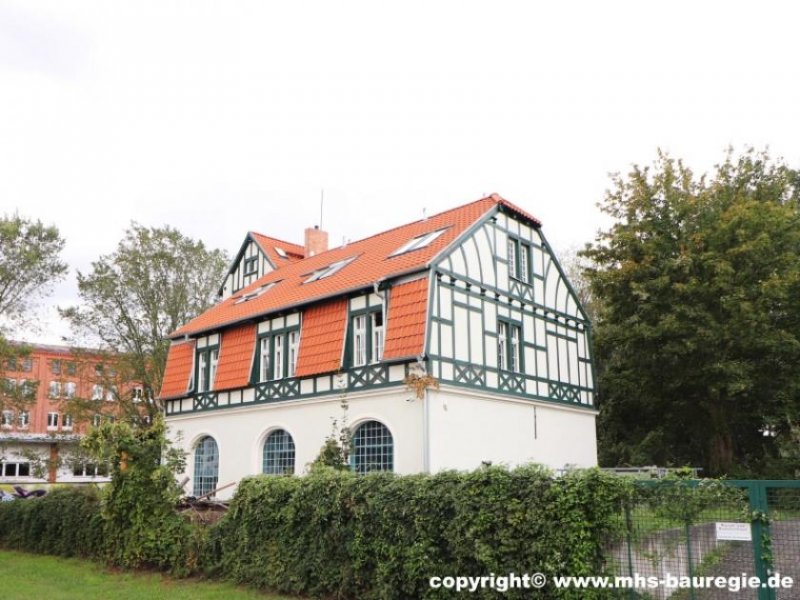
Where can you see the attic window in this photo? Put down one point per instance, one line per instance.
(329, 270)
(255, 293)
(421, 241)
(281, 252)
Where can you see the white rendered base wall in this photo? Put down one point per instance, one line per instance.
(464, 428)
(469, 428)
(240, 432)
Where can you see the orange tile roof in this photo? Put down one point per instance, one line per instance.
(372, 262)
(322, 338)
(405, 326)
(269, 247)
(236, 357)
(178, 371)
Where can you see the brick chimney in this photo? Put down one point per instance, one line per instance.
(316, 241)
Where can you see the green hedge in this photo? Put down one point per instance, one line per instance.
(334, 534)
(65, 522)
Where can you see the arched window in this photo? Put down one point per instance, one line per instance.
(279, 453)
(206, 466)
(373, 448)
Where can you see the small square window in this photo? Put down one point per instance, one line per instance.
(251, 265)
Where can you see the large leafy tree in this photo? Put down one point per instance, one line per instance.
(30, 264)
(155, 281)
(697, 285)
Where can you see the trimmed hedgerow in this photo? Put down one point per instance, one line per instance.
(65, 522)
(334, 534)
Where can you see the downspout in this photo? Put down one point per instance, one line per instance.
(426, 423)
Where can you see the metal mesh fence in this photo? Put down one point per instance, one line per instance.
(733, 530)
(783, 507)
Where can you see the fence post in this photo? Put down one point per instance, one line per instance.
(759, 525)
(629, 535)
(688, 529)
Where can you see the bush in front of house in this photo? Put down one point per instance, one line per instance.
(335, 534)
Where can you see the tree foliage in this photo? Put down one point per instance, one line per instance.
(698, 315)
(155, 281)
(29, 266)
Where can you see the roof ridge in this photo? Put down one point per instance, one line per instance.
(376, 249)
(274, 239)
(495, 197)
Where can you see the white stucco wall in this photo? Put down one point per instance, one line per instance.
(240, 432)
(467, 428)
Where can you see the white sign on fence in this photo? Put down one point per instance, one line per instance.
(737, 532)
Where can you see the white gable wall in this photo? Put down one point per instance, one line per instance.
(238, 276)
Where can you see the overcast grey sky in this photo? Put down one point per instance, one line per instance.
(223, 117)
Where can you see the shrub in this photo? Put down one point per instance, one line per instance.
(65, 522)
(335, 534)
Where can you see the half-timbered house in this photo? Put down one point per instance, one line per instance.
(470, 305)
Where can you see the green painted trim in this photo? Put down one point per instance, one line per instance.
(541, 309)
(524, 396)
(300, 396)
(560, 269)
(527, 376)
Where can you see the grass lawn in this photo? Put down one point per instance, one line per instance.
(32, 576)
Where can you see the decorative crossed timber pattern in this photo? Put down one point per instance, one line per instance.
(520, 290)
(369, 375)
(512, 382)
(470, 374)
(280, 389)
(202, 401)
(566, 393)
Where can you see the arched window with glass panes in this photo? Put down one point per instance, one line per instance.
(373, 448)
(206, 466)
(278, 453)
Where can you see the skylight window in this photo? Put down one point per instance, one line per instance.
(329, 270)
(281, 252)
(255, 293)
(421, 241)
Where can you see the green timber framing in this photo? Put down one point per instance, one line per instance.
(468, 374)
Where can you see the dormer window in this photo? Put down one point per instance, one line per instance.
(367, 338)
(329, 270)
(421, 241)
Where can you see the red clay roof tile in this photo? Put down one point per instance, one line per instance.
(373, 261)
(178, 371)
(269, 246)
(405, 330)
(235, 357)
(322, 338)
